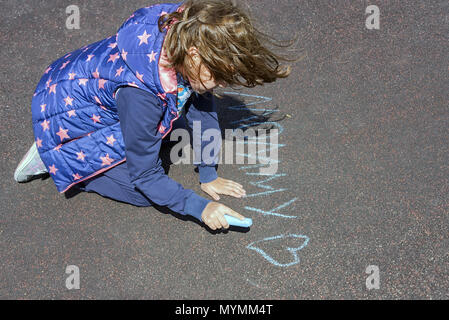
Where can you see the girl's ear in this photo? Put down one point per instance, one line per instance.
(194, 54)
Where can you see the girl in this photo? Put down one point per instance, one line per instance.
(100, 113)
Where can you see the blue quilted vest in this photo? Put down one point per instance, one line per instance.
(74, 112)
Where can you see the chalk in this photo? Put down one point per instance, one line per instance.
(294, 251)
(246, 223)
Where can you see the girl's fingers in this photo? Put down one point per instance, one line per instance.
(238, 189)
(214, 222)
(208, 223)
(217, 223)
(223, 222)
(212, 225)
(237, 184)
(233, 213)
(213, 194)
(234, 192)
(226, 181)
(234, 184)
(242, 192)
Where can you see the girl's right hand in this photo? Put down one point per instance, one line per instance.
(213, 215)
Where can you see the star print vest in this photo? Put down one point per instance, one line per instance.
(74, 113)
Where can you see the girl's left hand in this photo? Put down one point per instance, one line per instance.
(223, 186)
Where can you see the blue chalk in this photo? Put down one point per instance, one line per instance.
(246, 223)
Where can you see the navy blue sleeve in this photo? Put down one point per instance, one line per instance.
(139, 114)
(203, 109)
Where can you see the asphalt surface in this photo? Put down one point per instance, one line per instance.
(362, 175)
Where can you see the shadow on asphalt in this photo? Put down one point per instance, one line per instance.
(229, 119)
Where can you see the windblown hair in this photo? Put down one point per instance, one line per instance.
(228, 43)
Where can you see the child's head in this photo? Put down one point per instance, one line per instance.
(213, 42)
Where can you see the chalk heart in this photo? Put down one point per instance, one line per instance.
(281, 240)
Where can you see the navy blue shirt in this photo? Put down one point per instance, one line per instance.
(140, 113)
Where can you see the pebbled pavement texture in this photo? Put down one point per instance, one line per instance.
(362, 176)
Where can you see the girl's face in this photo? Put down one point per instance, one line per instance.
(206, 77)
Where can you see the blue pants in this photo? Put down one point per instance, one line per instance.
(116, 184)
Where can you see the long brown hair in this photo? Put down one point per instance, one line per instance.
(228, 43)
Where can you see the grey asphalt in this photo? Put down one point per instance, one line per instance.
(362, 175)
